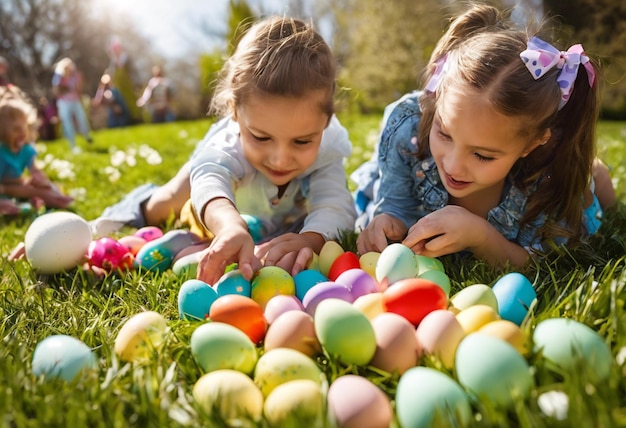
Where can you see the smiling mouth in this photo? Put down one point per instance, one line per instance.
(456, 184)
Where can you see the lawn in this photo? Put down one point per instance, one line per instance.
(586, 284)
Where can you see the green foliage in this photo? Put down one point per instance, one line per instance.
(586, 284)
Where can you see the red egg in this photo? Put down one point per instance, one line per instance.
(108, 254)
(241, 312)
(414, 298)
(345, 261)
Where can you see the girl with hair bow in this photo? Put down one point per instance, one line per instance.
(496, 156)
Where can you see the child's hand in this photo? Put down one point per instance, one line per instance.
(448, 230)
(54, 199)
(291, 251)
(234, 246)
(8, 207)
(382, 228)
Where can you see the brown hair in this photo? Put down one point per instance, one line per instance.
(15, 104)
(483, 55)
(277, 56)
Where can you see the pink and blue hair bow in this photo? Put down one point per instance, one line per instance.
(541, 56)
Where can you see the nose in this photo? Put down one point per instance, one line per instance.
(454, 164)
(280, 157)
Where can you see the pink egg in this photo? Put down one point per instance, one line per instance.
(358, 281)
(295, 330)
(355, 402)
(323, 291)
(280, 304)
(149, 233)
(108, 254)
(439, 334)
(397, 349)
(132, 242)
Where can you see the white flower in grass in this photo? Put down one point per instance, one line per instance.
(41, 147)
(554, 404)
(78, 193)
(183, 134)
(113, 173)
(620, 358)
(154, 159)
(117, 158)
(131, 160)
(63, 169)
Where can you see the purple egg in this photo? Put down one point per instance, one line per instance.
(323, 291)
(358, 282)
(280, 304)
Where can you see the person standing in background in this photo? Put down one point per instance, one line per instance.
(67, 84)
(110, 97)
(157, 97)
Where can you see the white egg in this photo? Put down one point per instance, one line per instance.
(57, 242)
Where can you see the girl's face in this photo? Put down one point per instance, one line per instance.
(281, 136)
(16, 133)
(474, 146)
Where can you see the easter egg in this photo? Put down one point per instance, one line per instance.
(355, 402)
(149, 233)
(425, 264)
(233, 282)
(571, 346)
(63, 357)
(345, 332)
(269, 281)
(345, 261)
(217, 345)
(439, 334)
(441, 403)
(474, 317)
(371, 305)
(280, 304)
(295, 330)
(475, 294)
(397, 349)
(255, 227)
(414, 298)
(328, 254)
(515, 295)
(195, 298)
(241, 312)
(187, 265)
(396, 262)
(140, 336)
(305, 280)
(109, 254)
(57, 242)
(154, 259)
(368, 262)
(492, 369)
(158, 254)
(323, 291)
(439, 278)
(229, 396)
(509, 332)
(132, 242)
(278, 366)
(297, 403)
(358, 282)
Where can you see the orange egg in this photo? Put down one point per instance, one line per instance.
(241, 312)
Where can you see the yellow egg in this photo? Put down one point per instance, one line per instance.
(328, 254)
(270, 281)
(475, 294)
(368, 262)
(281, 365)
(140, 336)
(230, 396)
(474, 317)
(370, 304)
(509, 332)
(297, 403)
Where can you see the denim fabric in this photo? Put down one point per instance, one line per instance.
(407, 188)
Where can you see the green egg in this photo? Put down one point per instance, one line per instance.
(281, 365)
(216, 345)
(345, 332)
(438, 277)
(476, 294)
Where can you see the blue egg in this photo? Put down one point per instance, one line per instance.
(306, 279)
(155, 259)
(195, 298)
(233, 282)
(255, 227)
(63, 357)
(515, 295)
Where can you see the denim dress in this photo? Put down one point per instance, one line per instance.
(397, 183)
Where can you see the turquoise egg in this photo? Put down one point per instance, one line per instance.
(195, 298)
(426, 397)
(63, 357)
(305, 280)
(438, 277)
(492, 369)
(424, 264)
(157, 259)
(515, 295)
(571, 346)
(233, 282)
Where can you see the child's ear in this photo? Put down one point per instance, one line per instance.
(538, 142)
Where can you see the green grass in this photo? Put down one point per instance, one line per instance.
(158, 393)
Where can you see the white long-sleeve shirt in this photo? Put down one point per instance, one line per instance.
(320, 195)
